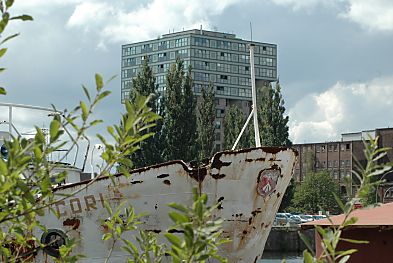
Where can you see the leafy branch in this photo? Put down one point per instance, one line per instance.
(368, 176)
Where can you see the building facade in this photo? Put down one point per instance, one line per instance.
(219, 58)
(341, 157)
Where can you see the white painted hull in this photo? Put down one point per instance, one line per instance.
(235, 177)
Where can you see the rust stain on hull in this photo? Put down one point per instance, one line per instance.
(72, 222)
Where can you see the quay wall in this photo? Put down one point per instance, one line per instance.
(287, 239)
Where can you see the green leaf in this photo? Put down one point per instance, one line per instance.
(178, 207)
(30, 198)
(99, 82)
(85, 112)
(131, 245)
(111, 78)
(5, 187)
(3, 167)
(4, 21)
(203, 257)
(354, 241)
(175, 240)
(103, 95)
(9, 38)
(46, 184)
(2, 91)
(199, 209)
(350, 221)
(108, 208)
(106, 236)
(54, 130)
(118, 230)
(307, 257)
(2, 51)
(178, 218)
(346, 252)
(339, 202)
(39, 136)
(23, 186)
(22, 17)
(344, 259)
(9, 3)
(95, 122)
(86, 91)
(306, 241)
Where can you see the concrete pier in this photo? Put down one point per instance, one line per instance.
(287, 239)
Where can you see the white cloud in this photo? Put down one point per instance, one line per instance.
(39, 7)
(89, 14)
(342, 108)
(120, 21)
(301, 4)
(115, 22)
(371, 14)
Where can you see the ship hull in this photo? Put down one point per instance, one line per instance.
(250, 184)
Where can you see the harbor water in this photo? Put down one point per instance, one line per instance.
(277, 257)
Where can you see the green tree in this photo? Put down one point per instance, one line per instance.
(179, 131)
(206, 127)
(273, 124)
(316, 193)
(288, 196)
(233, 123)
(150, 151)
(290, 191)
(189, 118)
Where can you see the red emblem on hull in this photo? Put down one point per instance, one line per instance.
(267, 181)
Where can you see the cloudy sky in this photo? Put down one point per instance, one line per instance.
(335, 57)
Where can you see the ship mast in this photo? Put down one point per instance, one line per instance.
(254, 111)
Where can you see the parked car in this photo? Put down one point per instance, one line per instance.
(318, 217)
(288, 215)
(295, 220)
(281, 219)
(307, 218)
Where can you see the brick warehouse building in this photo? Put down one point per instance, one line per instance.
(216, 57)
(338, 157)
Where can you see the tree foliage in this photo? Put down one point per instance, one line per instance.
(316, 193)
(188, 119)
(206, 125)
(285, 205)
(150, 151)
(233, 124)
(27, 173)
(273, 124)
(201, 232)
(179, 130)
(371, 174)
